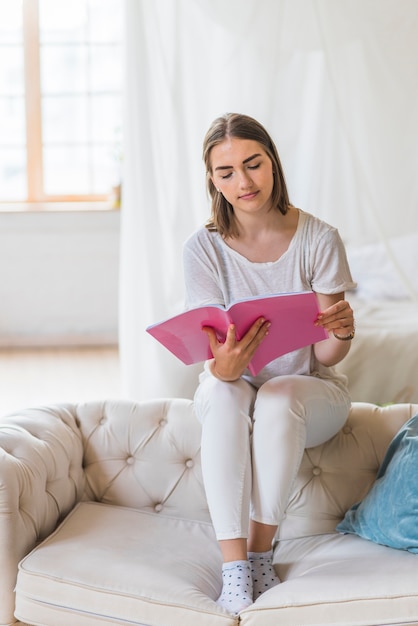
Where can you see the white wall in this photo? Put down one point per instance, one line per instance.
(59, 278)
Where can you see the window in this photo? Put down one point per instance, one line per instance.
(61, 76)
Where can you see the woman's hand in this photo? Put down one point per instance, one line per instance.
(232, 357)
(337, 318)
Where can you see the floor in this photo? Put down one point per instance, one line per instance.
(38, 376)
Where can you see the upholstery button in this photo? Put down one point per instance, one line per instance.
(102, 421)
(316, 471)
(130, 460)
(163, 422)
(347, 430)
(189, 463)
(158, 507)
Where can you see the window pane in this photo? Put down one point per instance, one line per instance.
(106, 168)
(106, 118)
(63, 69)
(12, 110)
(11, 21)
(106, 69)
(63, 21)
(67, 170)
(106, 20)
(11, 70)
(12, 121)
(81, 169)
(13, 173)
(65, 119)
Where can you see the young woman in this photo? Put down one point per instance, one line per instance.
(255, 428)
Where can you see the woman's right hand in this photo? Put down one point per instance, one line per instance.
(232, 357)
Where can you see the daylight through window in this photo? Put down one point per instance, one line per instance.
(60, 100)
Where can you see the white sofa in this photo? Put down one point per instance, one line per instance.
(135, 545)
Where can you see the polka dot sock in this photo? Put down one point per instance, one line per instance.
(237, 589)
(262, 570)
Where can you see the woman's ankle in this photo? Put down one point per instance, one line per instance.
(237, 586)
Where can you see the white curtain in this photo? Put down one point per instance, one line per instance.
(336, 84)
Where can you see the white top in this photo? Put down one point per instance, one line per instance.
(315, 260)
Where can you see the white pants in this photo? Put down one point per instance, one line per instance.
(253, 442)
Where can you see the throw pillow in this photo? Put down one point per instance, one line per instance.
(389, 513)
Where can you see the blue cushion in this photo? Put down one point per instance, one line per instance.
(389, 513)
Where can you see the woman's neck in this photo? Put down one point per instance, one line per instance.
(267, 239)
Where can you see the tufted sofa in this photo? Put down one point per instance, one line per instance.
(103, 508)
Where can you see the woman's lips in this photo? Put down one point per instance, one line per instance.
(249, 196)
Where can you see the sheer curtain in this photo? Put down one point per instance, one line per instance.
(336, 85)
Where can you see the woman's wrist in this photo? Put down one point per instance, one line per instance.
(218, 375)
(348, 337)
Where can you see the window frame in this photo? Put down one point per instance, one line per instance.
(37, 199)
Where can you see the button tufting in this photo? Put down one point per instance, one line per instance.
(163, 422)
(130, 460)
(158, 508)
(347, 430)
(189, 463)
(102, 421)
(316, 471)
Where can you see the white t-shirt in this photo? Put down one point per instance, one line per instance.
(315, 260)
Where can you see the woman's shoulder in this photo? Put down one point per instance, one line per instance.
(314, 223)
(202, 237)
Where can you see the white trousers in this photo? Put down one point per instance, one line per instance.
(253, 442)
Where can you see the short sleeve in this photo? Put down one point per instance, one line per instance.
(330, 272)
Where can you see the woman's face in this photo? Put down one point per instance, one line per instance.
(243, 172)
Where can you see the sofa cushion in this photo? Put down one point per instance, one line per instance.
(115, 565)
(389, 513)
(338, 579)
(111, 564)
(107, 565)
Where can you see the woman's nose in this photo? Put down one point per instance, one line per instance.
(245, 180)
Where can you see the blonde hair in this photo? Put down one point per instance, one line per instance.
(243, 127)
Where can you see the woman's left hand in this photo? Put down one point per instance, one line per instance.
(337, 318)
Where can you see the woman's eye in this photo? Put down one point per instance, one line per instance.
(254, 167)
(226, 176)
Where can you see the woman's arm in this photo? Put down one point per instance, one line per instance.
(337, 318)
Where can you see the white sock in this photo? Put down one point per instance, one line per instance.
(263, 573)
(237, 586)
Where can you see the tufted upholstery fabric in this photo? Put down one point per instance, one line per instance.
(335, 475)
(41, 477)
(144, 457)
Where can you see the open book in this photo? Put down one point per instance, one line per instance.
(292, 318)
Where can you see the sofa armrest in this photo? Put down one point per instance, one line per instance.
(41, 479)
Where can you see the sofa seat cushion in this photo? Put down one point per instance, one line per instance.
(338, 579)
(116, 565)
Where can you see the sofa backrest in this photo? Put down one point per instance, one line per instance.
(339, 473)
(147, 456)
(144, 455)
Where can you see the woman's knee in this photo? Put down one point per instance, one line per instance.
(313, 405)
(220, 399)
(280, 396)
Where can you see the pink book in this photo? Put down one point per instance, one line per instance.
(292, 317)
